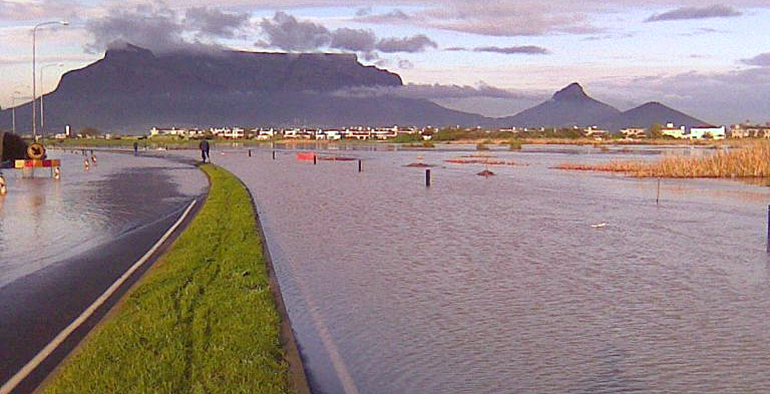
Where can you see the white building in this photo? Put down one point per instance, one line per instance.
(708, 132)
(672, 131)
(633, 132)
(266, 134)
(595, 132)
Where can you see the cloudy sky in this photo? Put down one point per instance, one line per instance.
(711, 60)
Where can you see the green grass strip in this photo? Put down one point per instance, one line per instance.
(202, 320)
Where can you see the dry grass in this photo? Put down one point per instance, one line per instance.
(752, 161)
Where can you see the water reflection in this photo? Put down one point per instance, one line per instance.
(43, 220)
(502, 285)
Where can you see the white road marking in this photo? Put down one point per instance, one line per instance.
(43, 354)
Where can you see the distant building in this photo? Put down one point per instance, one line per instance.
(708, 132)
(750, 131)
(671, 131)
(181, 132)
(595, 132)
(633, 132)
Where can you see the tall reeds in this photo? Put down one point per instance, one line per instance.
(752, 161)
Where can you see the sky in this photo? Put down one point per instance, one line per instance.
(710, 60)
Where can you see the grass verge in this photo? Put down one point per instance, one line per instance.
(751, 161)
(202, 320)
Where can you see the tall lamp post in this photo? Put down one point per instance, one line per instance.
(13, 112)
(34, 92)
(16, 95)
(42, 96)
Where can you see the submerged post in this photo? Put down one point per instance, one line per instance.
(359, 166)
(273, 155)
(315, 159)
(249, 152)
(427, 177)
(657, 199)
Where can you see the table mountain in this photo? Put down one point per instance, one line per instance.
(132, 89)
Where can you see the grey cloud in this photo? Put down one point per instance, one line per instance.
(721, 98)
(155, 27)
(286, 32)
(418, 43)
(762, 60)
(405, 64)
(432, 92)
(358, 40)
(364, 11)
(215, 22)
(393, 17)
(526, 50)
(684, 13)
(159, 28)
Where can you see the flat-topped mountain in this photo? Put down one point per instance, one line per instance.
(134, 70)
(132, 89)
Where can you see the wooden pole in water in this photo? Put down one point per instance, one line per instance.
(657, 199)
(315, 159)
(768, 229)
(427, 177)
(273, 155)
(249, 152)
(359, 166)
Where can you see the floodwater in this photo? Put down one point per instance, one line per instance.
(535, 280)
(43, 221)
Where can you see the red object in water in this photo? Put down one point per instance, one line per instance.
(305, 156)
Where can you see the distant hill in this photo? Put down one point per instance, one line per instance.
(649, 114)
(570, 106)
(131, 89)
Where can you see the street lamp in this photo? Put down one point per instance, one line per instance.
(34, 92)
(13, 111)
(16, 94)
(42, 96)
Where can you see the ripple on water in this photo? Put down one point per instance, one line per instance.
(502, 286)
(43, 221)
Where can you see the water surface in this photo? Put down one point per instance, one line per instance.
(506, 284)
(43, 221)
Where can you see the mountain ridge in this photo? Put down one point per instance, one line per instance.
(131, 89)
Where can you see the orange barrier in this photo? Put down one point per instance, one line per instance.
(20, 164)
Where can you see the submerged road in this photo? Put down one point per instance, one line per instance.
(41, 307)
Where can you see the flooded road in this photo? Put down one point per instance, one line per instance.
(535, 280)
(43, 221)
(64, 243)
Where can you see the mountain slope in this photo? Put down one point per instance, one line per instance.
(649, 114)
(131, 89)
(568, 107)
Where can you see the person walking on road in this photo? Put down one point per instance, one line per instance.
(204, 146)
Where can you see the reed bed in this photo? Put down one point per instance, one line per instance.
(752, 161)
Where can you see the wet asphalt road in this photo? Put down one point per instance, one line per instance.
(36, 307)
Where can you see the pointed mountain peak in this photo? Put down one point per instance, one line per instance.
(571, 92)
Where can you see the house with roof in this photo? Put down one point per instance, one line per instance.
(708, 132)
